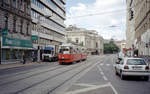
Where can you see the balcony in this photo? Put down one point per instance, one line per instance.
(47, 14)
(49, 26)
(59, 4)
(52, 8)
(64, 1)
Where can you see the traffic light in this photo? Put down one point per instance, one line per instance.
(132, 14)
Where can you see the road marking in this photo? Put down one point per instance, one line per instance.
(102, 73)
(115, 91)
(101, 64)
(83, 84)
(107, 64)
(88, 89)
(105, 78)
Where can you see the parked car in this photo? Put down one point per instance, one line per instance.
(132, 67)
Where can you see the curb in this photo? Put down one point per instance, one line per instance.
(2, 67)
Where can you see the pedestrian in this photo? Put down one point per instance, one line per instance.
(33, 57)
(24, 59)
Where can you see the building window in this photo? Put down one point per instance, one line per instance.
(6, 22)
(27, 28)
(21, 26)
(14, 24)
(77, 40)
(96, 44)
(14, 3)
(7, 2)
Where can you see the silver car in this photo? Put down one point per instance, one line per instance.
(132, 67)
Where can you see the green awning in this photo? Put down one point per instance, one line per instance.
(14, 42)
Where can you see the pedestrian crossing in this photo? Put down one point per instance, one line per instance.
(103, 64)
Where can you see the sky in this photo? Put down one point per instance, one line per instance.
(108, 17)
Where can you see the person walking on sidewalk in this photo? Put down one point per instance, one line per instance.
(24, 59)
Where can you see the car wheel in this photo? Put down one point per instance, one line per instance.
(146, 78)
(116, 72)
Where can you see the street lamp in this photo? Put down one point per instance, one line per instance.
(39, 28)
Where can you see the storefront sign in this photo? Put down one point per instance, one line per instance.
(34, 37)
(16, 42)
(4, 32)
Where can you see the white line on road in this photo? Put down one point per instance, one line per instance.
(102, 73)
(101, 64)
(107, 64)
(88, 89)
(83, 84)
(115, 91)
(105, 78)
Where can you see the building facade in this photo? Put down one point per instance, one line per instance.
(139, 12)
(130, 32)
(15, 30)
(48, 22)
(86, 38)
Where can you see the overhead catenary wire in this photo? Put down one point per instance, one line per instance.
(107, 12)
(100, 13)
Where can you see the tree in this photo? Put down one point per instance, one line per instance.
(110, 47)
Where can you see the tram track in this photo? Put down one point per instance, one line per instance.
(9, 82)
(53, 89)
(61, 73)
(25, 72)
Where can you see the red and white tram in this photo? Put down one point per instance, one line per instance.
(71, 53)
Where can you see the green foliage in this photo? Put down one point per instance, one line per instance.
(110, 47)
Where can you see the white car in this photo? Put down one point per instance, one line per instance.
(132, 67)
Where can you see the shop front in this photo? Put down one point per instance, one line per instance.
(13, 50)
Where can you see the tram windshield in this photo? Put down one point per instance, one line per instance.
(65, 50)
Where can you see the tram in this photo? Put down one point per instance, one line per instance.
(70, 53)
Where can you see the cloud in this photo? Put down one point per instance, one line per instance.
(102, 21)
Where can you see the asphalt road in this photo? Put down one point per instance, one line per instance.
(94, 76)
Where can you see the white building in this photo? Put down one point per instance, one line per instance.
(87, 38)
(51, 15)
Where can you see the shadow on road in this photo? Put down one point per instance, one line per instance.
(134, 78)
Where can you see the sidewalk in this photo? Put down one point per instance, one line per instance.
(7, 66)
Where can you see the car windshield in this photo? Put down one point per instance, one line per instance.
(136, 62)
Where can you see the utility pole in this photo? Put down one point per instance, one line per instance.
(39, 27)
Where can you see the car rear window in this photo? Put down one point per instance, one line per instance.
(136, 62)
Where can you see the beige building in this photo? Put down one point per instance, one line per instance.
(87, 38)
(15, 22)
(121, 44)
(138, 25)
(130, 32)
